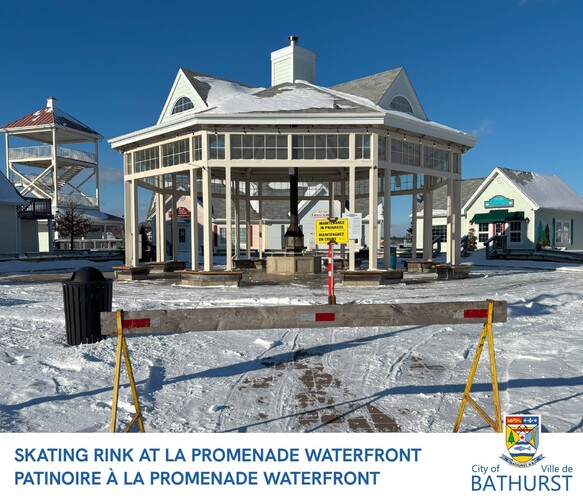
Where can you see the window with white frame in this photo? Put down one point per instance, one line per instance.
(182, 104)
(562, 232)
(320, 147)
(258, 147)
(146, 159)
(439, 231)
(515, 231)
(405, 152)
(483, 232)
(400, 103)
(197, 148)
(362, 147)
(175, 153)
(437, 159)
(217, 147)
(382, 148)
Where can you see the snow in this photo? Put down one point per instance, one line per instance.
(289, 98)
(408, 379)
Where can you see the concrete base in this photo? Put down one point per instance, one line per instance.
(249, 263)
(371, 278)
(420, 266)
(130, 273)
(294, 264)
(210, 278)
(166, 267)
(449, 272)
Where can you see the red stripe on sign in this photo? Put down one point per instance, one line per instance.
(136, 323)
(475, 313)
(325, 316)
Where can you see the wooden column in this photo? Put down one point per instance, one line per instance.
(387, 217)
(194, 252)
(427, 219)
(228, 219)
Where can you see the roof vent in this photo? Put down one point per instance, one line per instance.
(293, 40)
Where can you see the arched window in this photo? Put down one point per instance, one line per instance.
(181, 105)
(399, 103)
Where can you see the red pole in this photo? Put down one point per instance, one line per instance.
(331, 296)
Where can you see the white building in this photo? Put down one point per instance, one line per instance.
(526, 210)
(367, 140)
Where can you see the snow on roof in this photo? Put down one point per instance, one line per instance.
(299, 96)
(223, 90)
(546, 191)
(8, 193)
(50, 116)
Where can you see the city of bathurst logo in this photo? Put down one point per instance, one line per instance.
(522, 440)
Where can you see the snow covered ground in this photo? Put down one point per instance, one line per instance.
(407, 379)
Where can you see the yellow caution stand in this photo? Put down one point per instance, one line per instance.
(466, 398)
(122, 348)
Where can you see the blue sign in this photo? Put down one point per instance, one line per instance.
(498, 201)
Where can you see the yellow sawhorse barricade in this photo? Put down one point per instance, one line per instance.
(166, 321)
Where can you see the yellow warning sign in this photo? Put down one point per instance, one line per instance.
(327, 230)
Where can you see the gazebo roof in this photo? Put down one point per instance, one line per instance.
(36, 125)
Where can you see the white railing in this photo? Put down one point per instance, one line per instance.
(47, 152)
(77, 200)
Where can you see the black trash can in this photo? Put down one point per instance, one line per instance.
(86, 295)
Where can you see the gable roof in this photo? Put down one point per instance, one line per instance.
(372, 87)
(48, 117)
(381, 88)
(542, 190)
(207, 85)
(204, 90)
(8, 193)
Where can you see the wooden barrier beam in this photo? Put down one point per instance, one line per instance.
(311, 316)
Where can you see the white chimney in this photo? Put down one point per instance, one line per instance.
(51, 103)
(293, 63)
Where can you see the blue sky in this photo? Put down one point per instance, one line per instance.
(509, 72)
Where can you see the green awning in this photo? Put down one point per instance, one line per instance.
(497, 216)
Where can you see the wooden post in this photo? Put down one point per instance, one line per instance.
(122, 348)
(486, 336)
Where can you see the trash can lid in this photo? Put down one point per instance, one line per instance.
(87, 275)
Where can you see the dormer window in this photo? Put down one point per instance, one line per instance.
(181, 105)
(399, 103)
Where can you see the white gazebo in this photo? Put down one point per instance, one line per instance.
(367, 139)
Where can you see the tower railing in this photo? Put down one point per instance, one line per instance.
(46, 151)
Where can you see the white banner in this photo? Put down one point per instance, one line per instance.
(285, 466)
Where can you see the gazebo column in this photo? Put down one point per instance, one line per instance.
(95, 171)
(247, 217)
(387, 218)
(174, 221)
(342, 207)
(414, 219)
(237, 220)
(352, 205)
(427, 219)
(260, 197)
(160, 222)
(457, 220)
(207, 202)
(127, 208)
(193, 219)
(131, 226)
(373, 222)
(228, 219)
(453, 221)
